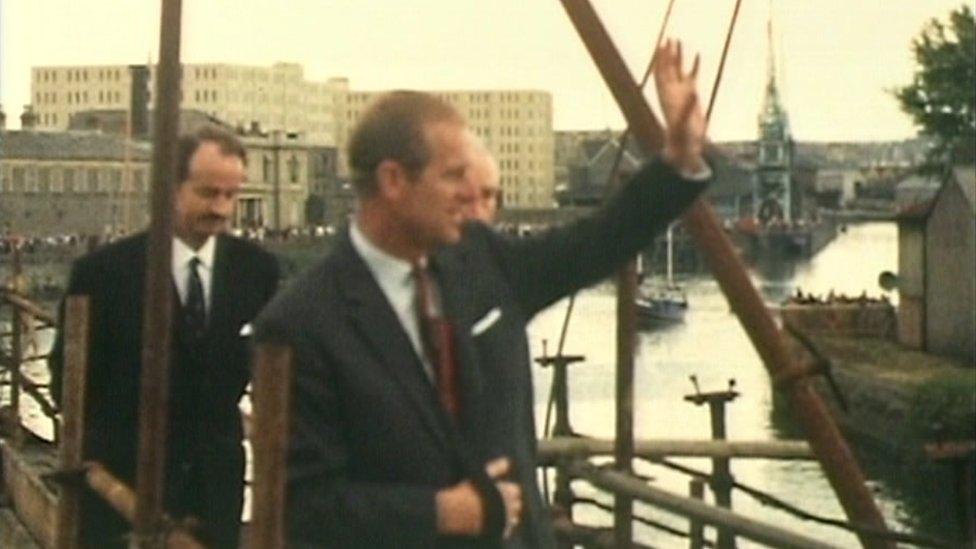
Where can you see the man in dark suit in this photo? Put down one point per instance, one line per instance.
(390, 446)
(221, 283)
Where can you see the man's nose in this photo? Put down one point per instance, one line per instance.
(222, 206)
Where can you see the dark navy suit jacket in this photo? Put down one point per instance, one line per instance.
(370, 445)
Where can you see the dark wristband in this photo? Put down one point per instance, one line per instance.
(491, 504)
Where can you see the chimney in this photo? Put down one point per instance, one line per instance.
(28, 120)
(139, 100)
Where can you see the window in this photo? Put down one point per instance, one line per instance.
(68, 178)
(30, 182)
(139, 181)
(44, 179)
(17, 179)
(115, 180)
(92, 180)
(57, 183)
(293, 169)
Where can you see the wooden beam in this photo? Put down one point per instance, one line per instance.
(271, 396)
(72, 437)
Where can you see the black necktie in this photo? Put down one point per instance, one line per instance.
(436, 336)
(195, 309)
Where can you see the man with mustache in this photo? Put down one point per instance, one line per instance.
(220, 284)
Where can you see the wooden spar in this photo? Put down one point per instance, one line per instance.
(157, 302)
(121, 498)
(269, 442)
(825, 438)
(743, 526)
(73, 419)
(553, 449)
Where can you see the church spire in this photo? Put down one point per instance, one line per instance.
(772, 108)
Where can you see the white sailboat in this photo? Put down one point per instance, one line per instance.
(667, 305)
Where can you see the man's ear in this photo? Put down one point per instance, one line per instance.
(391, 179)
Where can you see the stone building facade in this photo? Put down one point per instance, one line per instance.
(72, 183)
(79, 182)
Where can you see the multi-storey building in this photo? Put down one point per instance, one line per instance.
(276, 97)
(516, 126)
(72, 182)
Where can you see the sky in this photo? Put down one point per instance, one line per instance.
(837, 60)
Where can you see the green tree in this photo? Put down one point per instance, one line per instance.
(942, 96)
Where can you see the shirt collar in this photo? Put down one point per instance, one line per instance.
(388, 269)
(182, 253)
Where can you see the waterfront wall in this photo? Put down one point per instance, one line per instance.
(871, 319)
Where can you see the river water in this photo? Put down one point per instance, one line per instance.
(711, 345)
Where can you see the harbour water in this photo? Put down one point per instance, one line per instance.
(711, 345)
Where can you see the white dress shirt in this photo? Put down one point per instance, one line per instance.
(395, 278)
(182, 254)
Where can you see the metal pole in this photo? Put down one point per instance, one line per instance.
(696, 533)
(721, 474)
(563, 496)
(157, 303)
(73, 394)
(277, 180)
(271, 396)
(825, 438)
(555, 448)
(623, 452)
(16, 349)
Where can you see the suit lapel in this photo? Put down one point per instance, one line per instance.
(220, 298)
(374, 321)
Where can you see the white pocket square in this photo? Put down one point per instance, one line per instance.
(246, 330)
(486, 321)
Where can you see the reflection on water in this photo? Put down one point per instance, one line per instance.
(713, 346)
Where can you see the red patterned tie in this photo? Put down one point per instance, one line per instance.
(436, 335)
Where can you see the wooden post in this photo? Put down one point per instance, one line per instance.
(73, 393)
(157, 303)
(271, 396)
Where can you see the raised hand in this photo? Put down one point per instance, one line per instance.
(682, 112)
